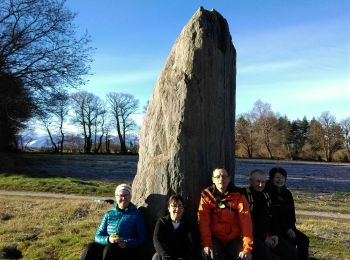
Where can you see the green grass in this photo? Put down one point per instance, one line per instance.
(56, 184)
(329, 238)
(335, 202)
(44, 228)
(48, 228)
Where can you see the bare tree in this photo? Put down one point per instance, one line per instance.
(326, 135)
(40, 48)
(123, 106)
(86, 106)
(99, 125)
(53, 116)
(38, 44)
(266, 122)
(246, 135)
(345, 125)
(24, 139)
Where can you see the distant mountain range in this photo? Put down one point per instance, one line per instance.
(43, 141)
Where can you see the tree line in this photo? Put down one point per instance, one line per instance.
(94, 118)
(41, 57)
(262, 133)
(259, 133)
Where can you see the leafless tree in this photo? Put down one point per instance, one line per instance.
(38, 44)
(123, 106)
(246, 135)
(86, 107)
(107, 131)
(40, 48)
(99, 125)
(345, 125)
(326, 135)
(53, 117)
(266, 122)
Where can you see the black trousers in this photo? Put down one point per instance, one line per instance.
(225, 251)
(284, 250)
(301, 241)
(96, 251)
(156, 256)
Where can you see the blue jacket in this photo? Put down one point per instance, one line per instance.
(128, 224)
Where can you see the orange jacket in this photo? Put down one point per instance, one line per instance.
(226, 220)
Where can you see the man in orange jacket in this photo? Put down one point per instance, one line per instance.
(225, 224)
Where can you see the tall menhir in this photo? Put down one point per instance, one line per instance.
(188, 128)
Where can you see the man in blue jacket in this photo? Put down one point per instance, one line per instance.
(121, 232)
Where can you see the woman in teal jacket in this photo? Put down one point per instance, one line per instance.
(121, 232)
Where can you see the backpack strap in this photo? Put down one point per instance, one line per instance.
(249, 198)
(267, 198)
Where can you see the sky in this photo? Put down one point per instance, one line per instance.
(292, 54)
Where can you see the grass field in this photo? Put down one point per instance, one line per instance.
(57, 184)
(49, 228)
(336, 202)
(59, 229)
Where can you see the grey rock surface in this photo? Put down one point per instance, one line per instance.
(188, 129)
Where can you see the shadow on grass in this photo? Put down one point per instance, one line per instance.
(10, 252)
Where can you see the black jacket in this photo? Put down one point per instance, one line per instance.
(170, 243)
(260, 209)
(283, 208)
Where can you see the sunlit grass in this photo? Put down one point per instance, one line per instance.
(60, 228)
(329, 238)
(48, 228)
(335, 202)
(56, 184)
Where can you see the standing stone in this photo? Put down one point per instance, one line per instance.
(188, 128)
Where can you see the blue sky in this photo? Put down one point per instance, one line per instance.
(292, 54)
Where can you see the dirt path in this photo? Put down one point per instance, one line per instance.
(99, 199)
(50, 195)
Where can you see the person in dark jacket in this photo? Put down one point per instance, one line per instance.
(284, 211)
(267, 241)
(172, 234)
(121, 232)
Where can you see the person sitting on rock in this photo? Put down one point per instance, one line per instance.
(225, 224)
(267, 242)
(121, 232)
(172, 237)
(283, 209)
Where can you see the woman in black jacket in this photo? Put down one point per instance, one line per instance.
(172, 236)
(283, 211)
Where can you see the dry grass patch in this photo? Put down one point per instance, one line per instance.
(329, 238)
(39, 228)
(48, 228)
(335, 202)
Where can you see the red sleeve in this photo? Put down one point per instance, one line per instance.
(204, 220)
(246, 224)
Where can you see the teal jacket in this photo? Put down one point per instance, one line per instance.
(128, 224)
